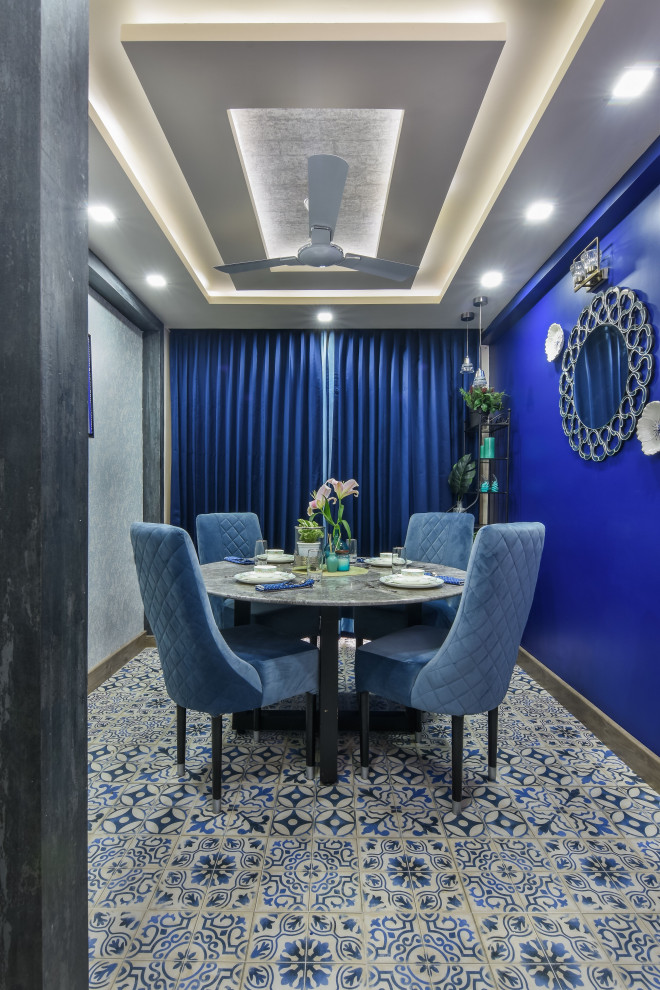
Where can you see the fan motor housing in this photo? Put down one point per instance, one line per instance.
(320, 255)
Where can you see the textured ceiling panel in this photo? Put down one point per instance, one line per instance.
(438, 85)
(275, 144)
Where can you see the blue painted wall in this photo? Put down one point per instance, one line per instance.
(596, 615)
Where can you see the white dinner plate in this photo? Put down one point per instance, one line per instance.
(379, 562)
(416, 581)
(275, 578)
(278, 558)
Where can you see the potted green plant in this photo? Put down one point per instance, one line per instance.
(482, 401)
(460, 479)
(308, 537)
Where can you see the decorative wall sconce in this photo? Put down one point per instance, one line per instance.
(586, 268)
(467, 367)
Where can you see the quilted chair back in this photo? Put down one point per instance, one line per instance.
(441, 538)
(200, 670)
(226, 534)
(472, 669)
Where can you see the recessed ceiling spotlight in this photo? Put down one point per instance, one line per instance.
(490, 280)
(324, 316)
(102, 214)
(157, 281)
(540, 210)
(632, 83)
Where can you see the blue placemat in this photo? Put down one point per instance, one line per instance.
(284, 585)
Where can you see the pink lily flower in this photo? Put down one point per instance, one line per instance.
(344, 488)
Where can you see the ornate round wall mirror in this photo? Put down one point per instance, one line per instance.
(606, 368)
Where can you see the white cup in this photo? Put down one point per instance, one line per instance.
(386, 557)
(413, 572)
(264, 569)
(274, 554)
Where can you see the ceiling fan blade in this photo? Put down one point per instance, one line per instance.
(254, 266)
(378, 266)
(326, 178)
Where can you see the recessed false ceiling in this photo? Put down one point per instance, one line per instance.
(439, 86)
(542, 125)
(274, 145)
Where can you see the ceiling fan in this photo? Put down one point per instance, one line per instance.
(326, 180)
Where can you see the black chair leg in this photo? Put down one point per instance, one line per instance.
(492, 744)
(216, 762)
(358, 642)
(456, 763)
(180, 740)
(310, 706)
(256, 724)
(364, 734)
(415, 722)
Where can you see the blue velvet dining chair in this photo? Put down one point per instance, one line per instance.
(467, 669)
(234, 534)
(435, 538)
(205, 669)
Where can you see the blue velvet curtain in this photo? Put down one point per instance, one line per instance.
(397, 427)
(261, 418)
(246, 426)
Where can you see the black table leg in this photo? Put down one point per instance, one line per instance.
(328, 692)
(241, 613)
(415, 614)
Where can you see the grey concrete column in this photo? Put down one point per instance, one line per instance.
(153, 427)
(43, 493)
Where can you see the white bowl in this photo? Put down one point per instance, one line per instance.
(264, 568)
(386, 556)
(413, 571)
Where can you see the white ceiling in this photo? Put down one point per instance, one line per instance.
(503, 102)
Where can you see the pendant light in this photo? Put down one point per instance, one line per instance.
(480, 380)
(467, 367)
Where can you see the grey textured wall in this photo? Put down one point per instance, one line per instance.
(115, 480)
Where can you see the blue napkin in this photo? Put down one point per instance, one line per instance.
(240, 560)
(284, 584)
(446, 578)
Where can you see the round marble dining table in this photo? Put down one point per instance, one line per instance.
(331, 594)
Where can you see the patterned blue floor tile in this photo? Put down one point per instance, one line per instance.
(163, 934)
(550, 877)
(394, 938)
(390, 977)
(640, 977)
(627, 939)
(102, 973)
(335, 890)
(130, 888)
(220, 935)
(278, 938)
(283, 890)
(336, 853)
(149, 974)
(451, 939)
(510, 938)
(111, 931)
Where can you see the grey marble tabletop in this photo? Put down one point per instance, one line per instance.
(346, 589)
